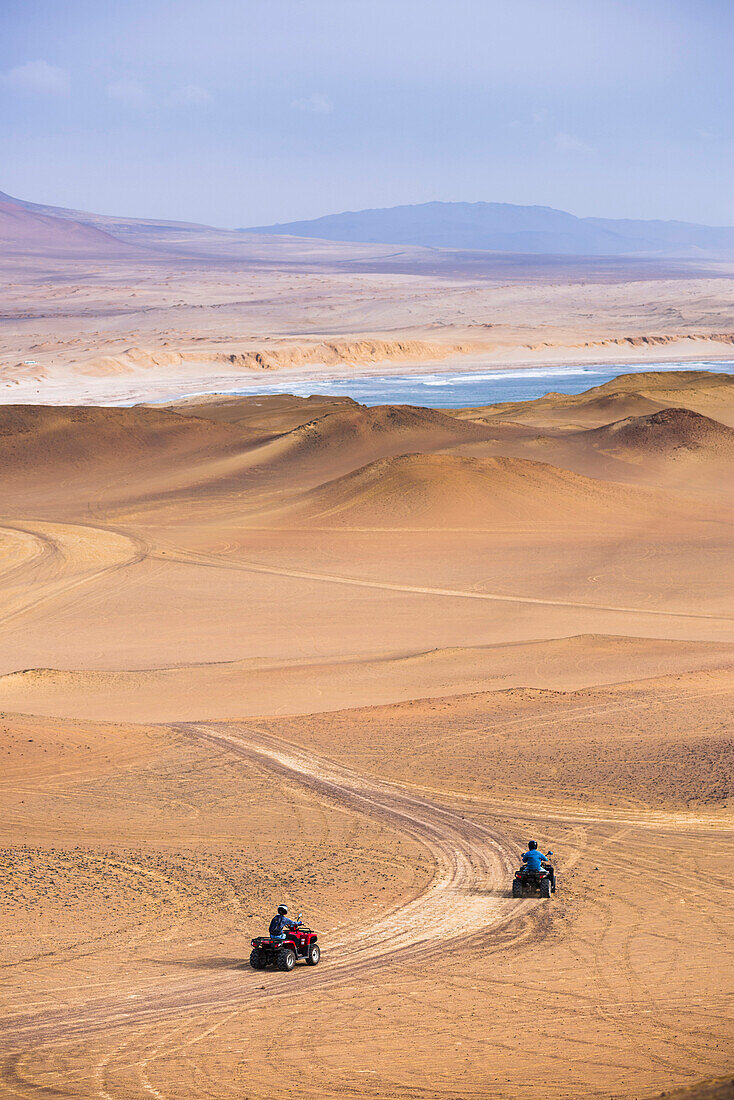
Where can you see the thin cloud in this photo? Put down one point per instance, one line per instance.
(315, 104)
(191, 95)
(38, 77)
(129, 92)
(569, 143)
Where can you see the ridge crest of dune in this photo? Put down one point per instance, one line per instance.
(667, 432)
(349, 438)
(377, 418)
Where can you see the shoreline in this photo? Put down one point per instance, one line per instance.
(194, 379)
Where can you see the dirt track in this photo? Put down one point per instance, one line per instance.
(456, 593)
(472, 865)
(615, 962)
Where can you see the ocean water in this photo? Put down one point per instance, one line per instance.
(456, 390)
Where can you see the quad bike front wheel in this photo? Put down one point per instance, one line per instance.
(258, 959)
(314, 955)
(286, 959)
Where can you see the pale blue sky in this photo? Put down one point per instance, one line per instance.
(244, 112)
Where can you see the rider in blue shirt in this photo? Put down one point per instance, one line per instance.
(280, 922)
(534, 860)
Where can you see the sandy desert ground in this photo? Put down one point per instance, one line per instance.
(271, 649)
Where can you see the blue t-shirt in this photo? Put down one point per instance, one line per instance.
(533, 859)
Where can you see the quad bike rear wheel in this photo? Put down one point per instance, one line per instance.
(258, 959)
(516, 888)
(545, 890)
(314, 955)
(286, 959)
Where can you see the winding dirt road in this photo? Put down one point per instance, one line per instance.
(467, 894)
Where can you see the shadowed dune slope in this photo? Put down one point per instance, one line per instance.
(670, 432)
(33, 437)
(345, 440)
(449, 491)
(60, 455)
(674, 447)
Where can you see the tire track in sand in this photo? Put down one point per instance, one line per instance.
(196, 558)
(466, 895)
(78, 554)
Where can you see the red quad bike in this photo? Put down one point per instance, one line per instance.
(531, 882)
(299, 943)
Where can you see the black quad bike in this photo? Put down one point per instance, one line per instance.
(299, 943)
(531, 882)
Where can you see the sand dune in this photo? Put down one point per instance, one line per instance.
(556, 411)
(245, 689)
(345, 440)
(674, 433)
(449, 491)
(62, 454)
(33, 435)
(677, 448)
(664, 385)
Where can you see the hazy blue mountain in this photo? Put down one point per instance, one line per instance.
(505, 227)
(456, 226)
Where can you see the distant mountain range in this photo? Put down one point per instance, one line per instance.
(504, 227)
(466, 233)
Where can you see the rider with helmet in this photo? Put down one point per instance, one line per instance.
(280, 922)
(534, 860)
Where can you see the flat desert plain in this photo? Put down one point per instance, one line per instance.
(274, 649)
